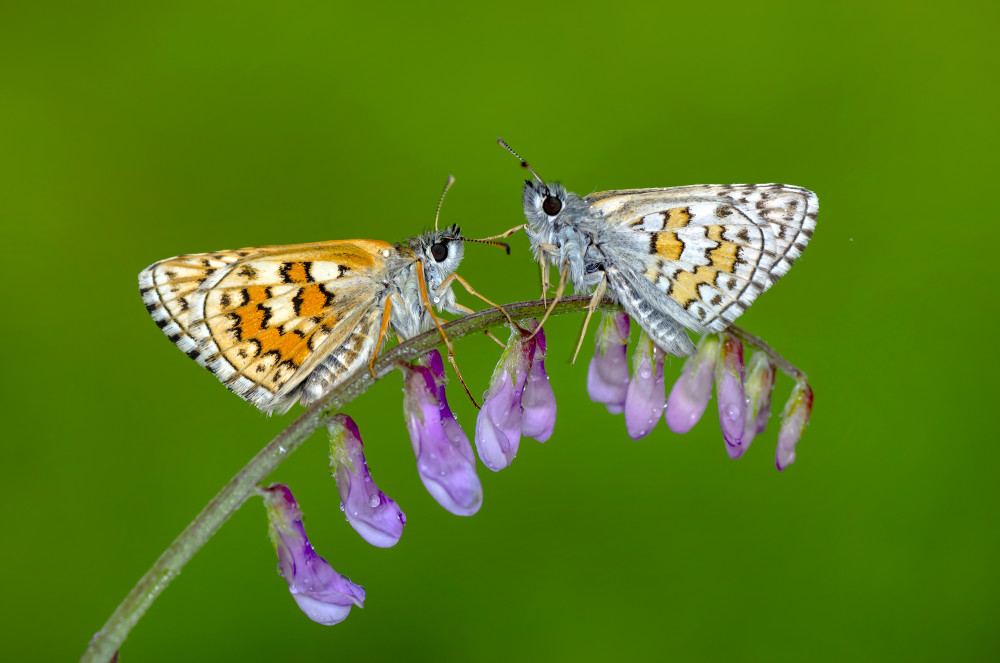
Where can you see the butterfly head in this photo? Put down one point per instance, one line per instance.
(439, 252)
(544, 204)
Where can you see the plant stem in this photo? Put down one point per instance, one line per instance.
(786, 366)
(108, 640)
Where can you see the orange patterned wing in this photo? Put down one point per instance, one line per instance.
(262, 319)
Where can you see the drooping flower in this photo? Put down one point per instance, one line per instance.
(498, 424)
(607, 376)
(759, 383)
(690, 394)
(374, 516)
(538, 400)
(445, 461)
(793, 421)
(323, 594)
(646, 395)
(519, 400)
(730, 394)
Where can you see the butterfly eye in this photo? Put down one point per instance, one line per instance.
(551, 205)
(439, 251)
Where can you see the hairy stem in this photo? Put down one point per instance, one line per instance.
(108, 640)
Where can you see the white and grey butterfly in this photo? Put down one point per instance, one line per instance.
(688, 256)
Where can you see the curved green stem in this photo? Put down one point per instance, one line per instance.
(107, 641)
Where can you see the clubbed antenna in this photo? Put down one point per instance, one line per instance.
(503, 245)
(524, 164)
(447, 185)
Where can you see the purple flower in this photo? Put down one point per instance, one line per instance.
(374, 516)
(758, 383)
(646, 395)
(444, 456)
(607, 377)
(794, 420)
(322, 593)
(690, 394)
(730, 395)
(498, 424)
(538, 400)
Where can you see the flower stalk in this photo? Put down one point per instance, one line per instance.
(109, 639)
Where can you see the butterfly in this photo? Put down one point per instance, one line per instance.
(688, 256)
(277, 324)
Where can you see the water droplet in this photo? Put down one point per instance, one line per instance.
(374, 501)
(645, 373)
(281, 449)
(342, 507)
(731, 413)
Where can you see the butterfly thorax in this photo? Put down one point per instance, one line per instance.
(577, 244)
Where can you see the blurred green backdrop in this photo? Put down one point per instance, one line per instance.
(136, 131)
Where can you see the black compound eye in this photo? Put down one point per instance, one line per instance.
(551, 205)
(439, 251)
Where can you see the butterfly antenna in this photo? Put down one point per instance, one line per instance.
(524, 164)
(447, 185)
(489, 242)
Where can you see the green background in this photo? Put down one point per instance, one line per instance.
(132, 132)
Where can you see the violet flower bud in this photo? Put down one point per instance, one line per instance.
(498, 424)
(793, 421)
(445, 461)
(374, 516)
(758, 384)
(690, 394)
(730, 394)
(646, 393)
(607, 376)
(323, 594)
(538, 400)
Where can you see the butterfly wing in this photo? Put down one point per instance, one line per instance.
(789, 211)
(263, 319)
(699, 254)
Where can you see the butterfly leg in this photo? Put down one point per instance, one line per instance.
(505, 235)
(386, 317)
(545, 251)
(471, 291)
(563, 276)
(594, 301)
(437, 323)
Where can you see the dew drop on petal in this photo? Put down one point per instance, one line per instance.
(731, 413)
(374, 501)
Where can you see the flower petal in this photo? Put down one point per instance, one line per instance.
(607, 375)
(445, 461)
(498, 424)
(758, 383)
(730, 394)
(322, 594)
(691, 392)
(538, 400)
(794, 420)
(374, 516)
(645, 397)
